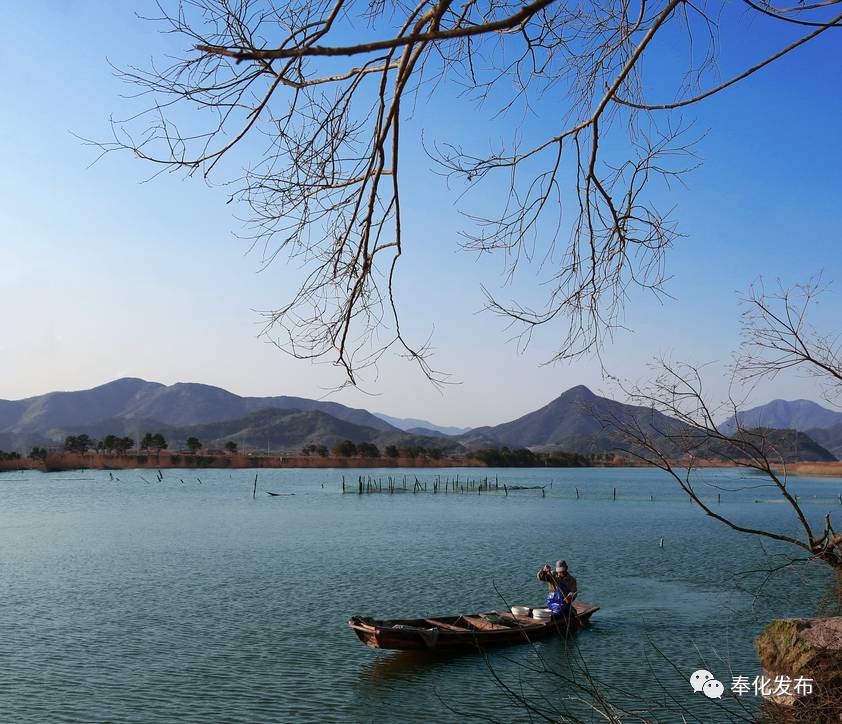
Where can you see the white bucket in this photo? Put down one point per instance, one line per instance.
(520, 610)
(543, 614)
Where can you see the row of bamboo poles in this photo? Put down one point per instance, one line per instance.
(456, 486)
(366, 484)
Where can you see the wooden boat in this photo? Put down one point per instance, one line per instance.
(493, 628)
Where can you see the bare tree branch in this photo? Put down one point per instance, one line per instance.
(778, 336)
(273, 87)
(678, 392)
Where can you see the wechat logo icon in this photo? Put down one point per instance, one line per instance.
(702, 680)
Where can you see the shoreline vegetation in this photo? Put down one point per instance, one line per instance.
(815, 470)
(97, 460)
(119, 453)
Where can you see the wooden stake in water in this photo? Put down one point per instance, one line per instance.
(254, 491)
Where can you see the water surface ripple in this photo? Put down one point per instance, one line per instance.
(133, 601)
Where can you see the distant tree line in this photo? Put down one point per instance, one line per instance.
(109, 444)
(156, 442)
(9, 455)
(350, 449)
(524, 458)
(320, 450)
(151, 441)
(414, 451)
(114, 444)
(78, 443)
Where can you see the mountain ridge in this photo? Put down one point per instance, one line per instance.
(802, 415)
(181, 404)
(578, 420)
(278, 430)
(408, 424)
(829, 438)
(581, 421)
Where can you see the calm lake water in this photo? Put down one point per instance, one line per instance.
(145, 601)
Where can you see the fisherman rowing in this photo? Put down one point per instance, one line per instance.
(561, 588)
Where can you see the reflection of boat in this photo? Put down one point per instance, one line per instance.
(494, 628)
(398, 666)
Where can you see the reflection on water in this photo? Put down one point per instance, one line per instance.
(134, 600)
(387, 666)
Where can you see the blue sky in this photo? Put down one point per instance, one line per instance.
(106, 276)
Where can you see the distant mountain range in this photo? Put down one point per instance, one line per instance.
(576, 421)
(828, 437)
(271, 429)
(180, 404)
(413, 424)
(583, 422)
(132, 406)
(795, 415)
(822, 425)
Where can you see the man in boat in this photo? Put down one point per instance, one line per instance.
(561, 587)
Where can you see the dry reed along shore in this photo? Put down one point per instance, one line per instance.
(97, 461)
